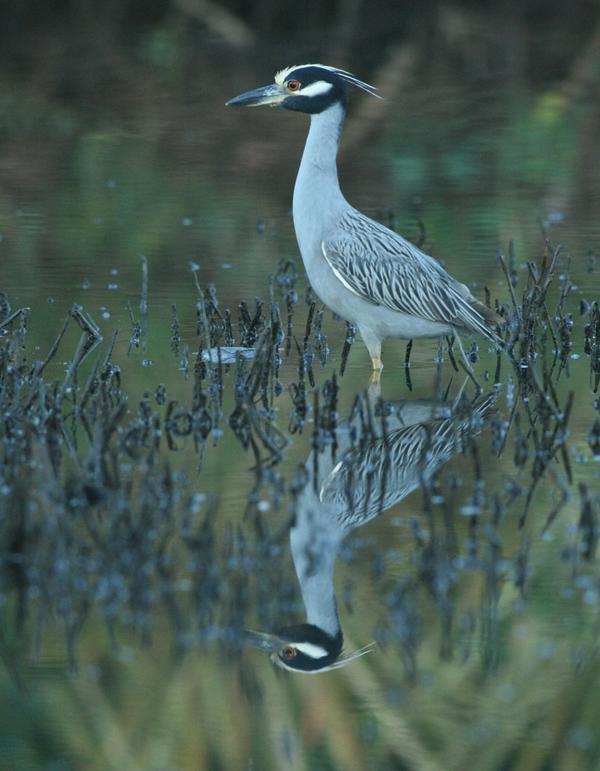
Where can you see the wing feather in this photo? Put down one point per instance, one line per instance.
(385, 269)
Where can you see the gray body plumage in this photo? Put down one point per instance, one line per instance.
(362, 270)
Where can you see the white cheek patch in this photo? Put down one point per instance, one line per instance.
(309, 649)
(316, 89)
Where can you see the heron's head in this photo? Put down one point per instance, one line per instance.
(304, 648)
(310, 88)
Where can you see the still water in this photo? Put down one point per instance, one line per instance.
(158, 503)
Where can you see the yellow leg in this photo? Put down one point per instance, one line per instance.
(373, 343)
(375, 377)
(374, 389)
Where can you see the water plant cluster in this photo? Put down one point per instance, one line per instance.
(108, 516)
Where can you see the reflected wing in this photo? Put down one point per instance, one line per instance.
(369, 480)
(382, 267)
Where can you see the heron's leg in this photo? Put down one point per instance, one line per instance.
(459, 395)
(468, 367)
(464, 355)
(375, 380)
(373, 344)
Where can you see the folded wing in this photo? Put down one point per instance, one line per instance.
(385, 269)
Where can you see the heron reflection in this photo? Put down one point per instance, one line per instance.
(380, 460)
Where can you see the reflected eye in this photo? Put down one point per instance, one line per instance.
(288, 652)
(293, 85)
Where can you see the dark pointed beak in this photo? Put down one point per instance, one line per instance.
(261, 640)
(271, 95)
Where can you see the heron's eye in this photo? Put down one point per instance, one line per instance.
(288, 652)
(293, 85)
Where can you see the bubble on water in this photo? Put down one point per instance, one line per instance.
(93, 672)
(86, 284)
(187, 221)
(112, 286)
(506, 693)
(546, 649)
(584, 582)
(367, 729)
(581, 737)
(147, 362)
(197, 501)
(394, 696)
(111, 183)
(114, 271)
(263, 505)
(427, 679)
(125, 653)
(227, 266)
(590, 597)
(521, 631)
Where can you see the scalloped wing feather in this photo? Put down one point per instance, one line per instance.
(383, 268)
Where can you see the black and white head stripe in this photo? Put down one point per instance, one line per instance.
(311, 85)
(311, 650)
(307, 88)
(318, 88)
(307, 648)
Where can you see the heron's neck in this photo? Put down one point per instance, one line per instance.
(314, 550)
(317, 178)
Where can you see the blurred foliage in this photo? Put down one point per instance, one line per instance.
(267, 19)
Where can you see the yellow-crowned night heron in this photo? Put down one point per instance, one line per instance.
(363, 271)
(374, 471)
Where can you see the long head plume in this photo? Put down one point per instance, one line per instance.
(341, 661)
(348, 77)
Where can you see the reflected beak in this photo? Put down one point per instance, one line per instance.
(272, 95)
(261, 640)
